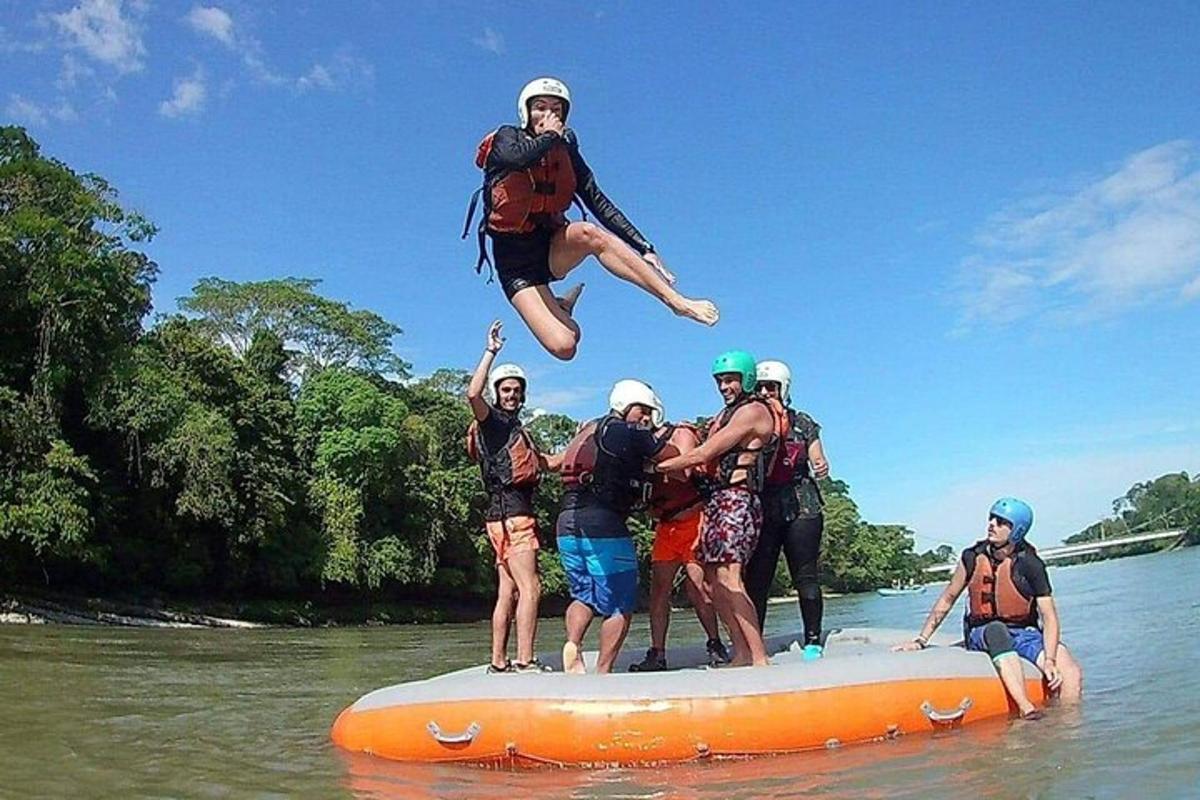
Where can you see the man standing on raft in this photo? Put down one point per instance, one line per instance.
(792, 515)
(605, 471)
(1010, 612)
(741, 442)
(532, 173)
(675, 505)
(511, 466)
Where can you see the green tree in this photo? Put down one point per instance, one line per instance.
(325, 333)
(72, 296)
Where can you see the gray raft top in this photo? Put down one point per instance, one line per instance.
(853, 656)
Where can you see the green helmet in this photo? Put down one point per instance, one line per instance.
(738, 361)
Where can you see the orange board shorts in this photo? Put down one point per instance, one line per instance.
(513, 535)
(675, 540)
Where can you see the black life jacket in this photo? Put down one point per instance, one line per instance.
(589, 468)
(513, 466)
(753, 464)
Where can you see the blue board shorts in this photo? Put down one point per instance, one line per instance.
(1027, 642)
(597, 554)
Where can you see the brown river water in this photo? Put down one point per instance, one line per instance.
(148, 713)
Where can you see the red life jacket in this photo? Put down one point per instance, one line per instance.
(752, 463)
(994, 595)
(522, 200)
(791, 460)
(671, 498)
(515, 465)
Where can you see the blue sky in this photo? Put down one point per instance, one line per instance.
(973, 232)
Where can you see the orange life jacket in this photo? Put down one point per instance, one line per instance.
(671, 498)
(752, 463)
(522, 200)
(992, 593)
(515, 465)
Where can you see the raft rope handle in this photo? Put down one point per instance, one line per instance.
(946, 717)
(465, 737)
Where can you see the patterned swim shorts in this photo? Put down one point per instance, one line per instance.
(730, 528)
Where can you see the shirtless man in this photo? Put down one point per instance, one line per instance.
(741, 439)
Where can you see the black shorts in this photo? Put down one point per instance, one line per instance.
(522, 259)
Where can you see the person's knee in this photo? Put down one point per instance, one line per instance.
(591, 237)
(997, 639)
(807, 581)
(562, 344)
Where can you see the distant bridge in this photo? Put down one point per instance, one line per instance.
(1081, 549)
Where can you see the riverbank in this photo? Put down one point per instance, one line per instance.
(63, 609)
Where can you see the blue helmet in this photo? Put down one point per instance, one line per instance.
(1015, 512)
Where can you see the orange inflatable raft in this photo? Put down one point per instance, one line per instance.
(860, 691)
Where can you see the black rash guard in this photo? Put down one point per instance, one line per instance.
(514, 149)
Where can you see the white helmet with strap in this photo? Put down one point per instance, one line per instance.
(776, 372)
(542, 87)
(503, 372)
(628, 392)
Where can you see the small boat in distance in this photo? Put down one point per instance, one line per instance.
(897, 589)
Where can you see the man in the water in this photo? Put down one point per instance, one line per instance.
(1011, 613)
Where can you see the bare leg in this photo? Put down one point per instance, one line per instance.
(579, 617)
(502, 615)
(1013, 677)
(741, 613)
(701, 599)
(1071, 689)
(612, 636)
(662, 576)
(571, 244)
(523, 567)
(548, 320)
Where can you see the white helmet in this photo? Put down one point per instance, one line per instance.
(776, 372)
(503, 372)
(542, 87)
(629, 392)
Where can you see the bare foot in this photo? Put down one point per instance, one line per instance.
(570, 298)
(700, 310)
(572, 660)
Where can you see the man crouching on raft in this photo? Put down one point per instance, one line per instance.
(1010, 613)
(741, 438)
(606, 471)
(511, 466)
(532, 174)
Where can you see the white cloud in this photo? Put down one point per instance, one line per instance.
(25, 111)
(317, 78)
(216, 22)
(344, 69)
(72, 71)
(561, 401)
(10, 46)
(212, 21)
(33, 114)
(188, 99)
(99, 28)
(1127, 239)
(491, 40)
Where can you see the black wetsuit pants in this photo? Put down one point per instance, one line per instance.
(800, 540)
